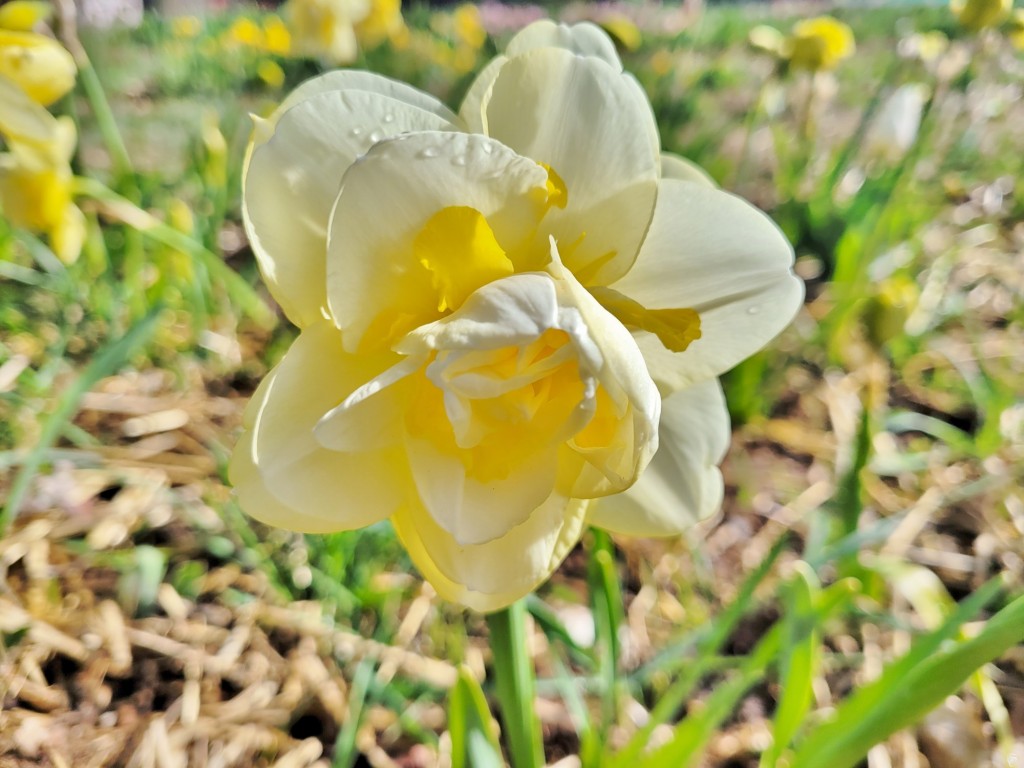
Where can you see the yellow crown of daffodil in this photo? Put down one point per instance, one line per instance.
(819, 44)
(511, 318)
(976, 15)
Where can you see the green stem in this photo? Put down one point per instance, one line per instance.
(515, 684)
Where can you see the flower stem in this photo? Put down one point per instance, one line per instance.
(514, 682)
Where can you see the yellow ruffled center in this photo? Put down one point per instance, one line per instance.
(494, 409)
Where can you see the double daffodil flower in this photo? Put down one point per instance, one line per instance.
(512, 318)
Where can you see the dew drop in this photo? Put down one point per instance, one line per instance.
(428, 153)
(376, 136)
(487, 148)
(389, 118)
(753, 310)
(459, 160)
(357, 131)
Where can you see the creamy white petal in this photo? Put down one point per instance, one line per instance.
(676, 167)
(593, 125)
(473, 512)
(283, 476)
(388, 197)
(682, 484)
(292, 181)
(717, 254)
(632, 392)
(582, 39)
(358, 80)
(472, 112)
(487, 577)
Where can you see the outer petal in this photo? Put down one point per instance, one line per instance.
(358, 80)
(487, 577)
(292, 180)
(682, 484)
(583, 39)
(594, 127)
(676, 167)
(373, 277)
(282, 474)
(712, 252)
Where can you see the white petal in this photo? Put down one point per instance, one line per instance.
(624, 378)
(474, 512)
(386, 200)
(717, 254)
(682, 484)
(472, 110)
(594, 127)
(283, 476)
(487, 577)
(583, 39)
(357, 80)
(292, 181)
(676, 167)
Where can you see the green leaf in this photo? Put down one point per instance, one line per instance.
(474, 743)
(799, 661)
(913, 685)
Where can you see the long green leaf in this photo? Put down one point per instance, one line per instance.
(474, 743)
(913, 685)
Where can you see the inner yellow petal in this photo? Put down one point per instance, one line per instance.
(675, 328)
(458, 248)
(558, 193)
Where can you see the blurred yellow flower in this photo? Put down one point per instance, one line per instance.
(926, 46)
(245, 32)
(39, 65)
(468, 27)
(325, 29)
(270, 72)
(1016, 29)
(186, 27)
(976, 15)
(23, 15)
(623, 31)
(512, 318)
(383, 22)
(819, 44)
(35, 172)
(276, 37)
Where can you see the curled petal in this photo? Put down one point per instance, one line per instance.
(682, 485)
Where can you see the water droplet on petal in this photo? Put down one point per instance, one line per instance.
(753, 310)
(376, 136)
(459, 160)
(389, 118)
(428, 153)
(357, 131)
